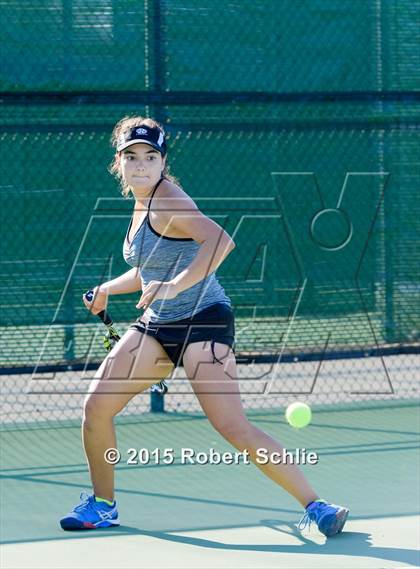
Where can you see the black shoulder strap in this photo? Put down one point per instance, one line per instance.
(153, 193)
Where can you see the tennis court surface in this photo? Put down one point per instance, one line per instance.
(219, 515)
(294, 126)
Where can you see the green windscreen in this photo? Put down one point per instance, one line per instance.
(292, 124)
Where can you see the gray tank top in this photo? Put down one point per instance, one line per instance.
(161, 258)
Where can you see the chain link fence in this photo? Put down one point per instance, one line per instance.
(294, 125)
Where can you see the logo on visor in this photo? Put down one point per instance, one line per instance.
(141, 131)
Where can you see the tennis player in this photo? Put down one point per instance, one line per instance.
(174, 251)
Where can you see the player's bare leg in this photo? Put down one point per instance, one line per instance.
(217, 390)
(134, 364)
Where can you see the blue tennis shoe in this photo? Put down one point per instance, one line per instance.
(329, 518)
(90, 514)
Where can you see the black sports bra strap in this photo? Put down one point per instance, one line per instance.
(153, 193)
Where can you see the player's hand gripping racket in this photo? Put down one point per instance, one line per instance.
(112, 337)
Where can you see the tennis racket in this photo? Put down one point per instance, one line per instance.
(112, 337)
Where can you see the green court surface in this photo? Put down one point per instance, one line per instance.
(220, 515)
(292, 124)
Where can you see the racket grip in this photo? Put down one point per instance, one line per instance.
(103, 315)
(160, 388)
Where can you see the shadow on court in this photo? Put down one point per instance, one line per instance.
(348, 544)
(366, 458)
(356, 544)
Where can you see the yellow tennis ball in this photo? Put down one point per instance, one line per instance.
(298, 415)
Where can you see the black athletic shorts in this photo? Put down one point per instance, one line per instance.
(214, 324)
